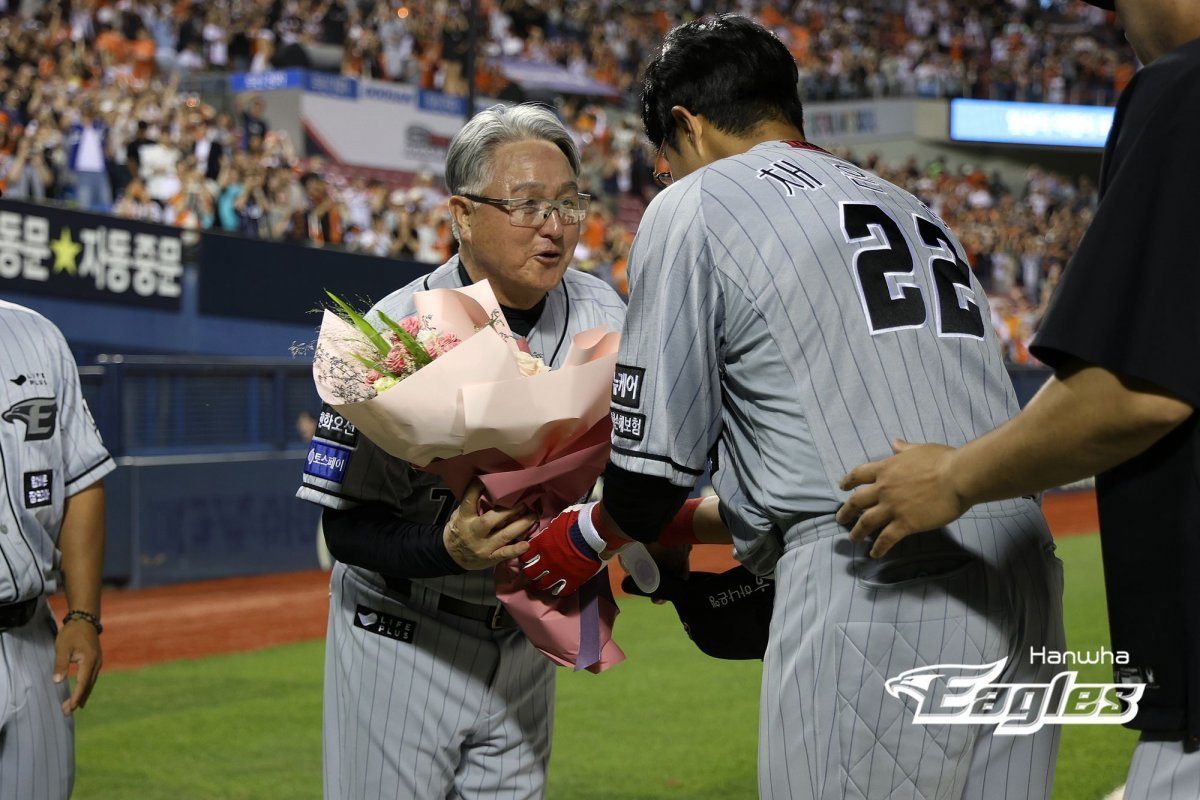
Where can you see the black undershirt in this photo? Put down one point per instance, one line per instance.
(520, 321)
(646, 502)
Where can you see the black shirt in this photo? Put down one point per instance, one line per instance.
(1129, 302)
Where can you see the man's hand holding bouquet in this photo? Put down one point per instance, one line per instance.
(450, 390)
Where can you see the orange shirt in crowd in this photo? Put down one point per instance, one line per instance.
(1123, 75)
(114, 44)
(593, 233)
(620, 276)
(142, 52)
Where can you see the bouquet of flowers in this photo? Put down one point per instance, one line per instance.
(450, 390)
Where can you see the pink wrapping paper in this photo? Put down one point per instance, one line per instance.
(540, 440)
(553, 624)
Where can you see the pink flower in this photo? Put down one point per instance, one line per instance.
(444, 344)
(410, 325)
(372, 376)
(399, 361)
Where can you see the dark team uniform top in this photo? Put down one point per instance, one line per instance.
(1128, 303)
(49, 450)
(802, 313)
(362, 473)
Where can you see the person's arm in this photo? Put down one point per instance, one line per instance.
(18, 163)
(373, 536)
(666, 409)
(1082, 422)
(81, 541)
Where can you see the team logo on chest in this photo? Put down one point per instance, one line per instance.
(40, 415)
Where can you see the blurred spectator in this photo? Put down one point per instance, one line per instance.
(319, 220)
(87, 159)
(135, 203)
(26, 175)
(186, 164)
(254, 123)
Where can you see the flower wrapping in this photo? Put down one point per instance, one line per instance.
(540, 440)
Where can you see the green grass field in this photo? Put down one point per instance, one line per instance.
(669, 723)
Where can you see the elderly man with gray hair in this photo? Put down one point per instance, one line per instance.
(431, 691)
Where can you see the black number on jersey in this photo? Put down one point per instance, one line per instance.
(885, 273)
(445, 499)
(884, 269)
(957, 312)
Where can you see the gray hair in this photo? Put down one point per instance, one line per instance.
(470, 161)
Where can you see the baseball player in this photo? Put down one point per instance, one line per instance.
(1120, 406)
(431, 692)
(51, 537)
(790, 313)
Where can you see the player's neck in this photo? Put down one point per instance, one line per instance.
(726, 145)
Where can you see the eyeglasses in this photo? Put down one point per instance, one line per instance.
(531, 212)
(663, 178)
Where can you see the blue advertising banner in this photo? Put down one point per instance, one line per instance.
(272, 81)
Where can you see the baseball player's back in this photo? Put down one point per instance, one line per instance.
(795, 314)
(846, 318)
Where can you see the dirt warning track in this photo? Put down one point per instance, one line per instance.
(148, 626)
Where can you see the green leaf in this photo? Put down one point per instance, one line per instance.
(374, 336)
(369, 364)
(414, 348)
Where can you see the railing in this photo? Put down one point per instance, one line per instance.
(176, 405)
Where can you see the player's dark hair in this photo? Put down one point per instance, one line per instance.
(729, 69)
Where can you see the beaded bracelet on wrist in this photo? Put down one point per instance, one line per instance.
(86, 617)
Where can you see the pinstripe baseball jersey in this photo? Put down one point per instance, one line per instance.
(50, 449)
(578, 303)
(796, 313)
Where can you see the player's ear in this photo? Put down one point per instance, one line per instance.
(689, 125)
(463, 212)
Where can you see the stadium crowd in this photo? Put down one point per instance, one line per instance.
(91, 112)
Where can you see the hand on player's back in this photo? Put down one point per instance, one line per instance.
(481, 541)
(909, 492)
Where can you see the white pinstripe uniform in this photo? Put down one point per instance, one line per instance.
(445, 707)
(798, 314)
(49, 450)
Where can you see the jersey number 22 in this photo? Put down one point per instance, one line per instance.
(885, 272)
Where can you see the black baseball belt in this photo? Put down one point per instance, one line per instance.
(494, 616)
(14, 615)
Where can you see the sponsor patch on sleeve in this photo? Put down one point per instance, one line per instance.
(627, 386)
(38, 488)
(333, 427)
(631, 426)
(381, 624)
(327, 461)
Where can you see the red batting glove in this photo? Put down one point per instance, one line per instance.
(563, 555)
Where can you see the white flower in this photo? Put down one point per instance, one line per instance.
(427, 338)
(384, 383)
(530, 365)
